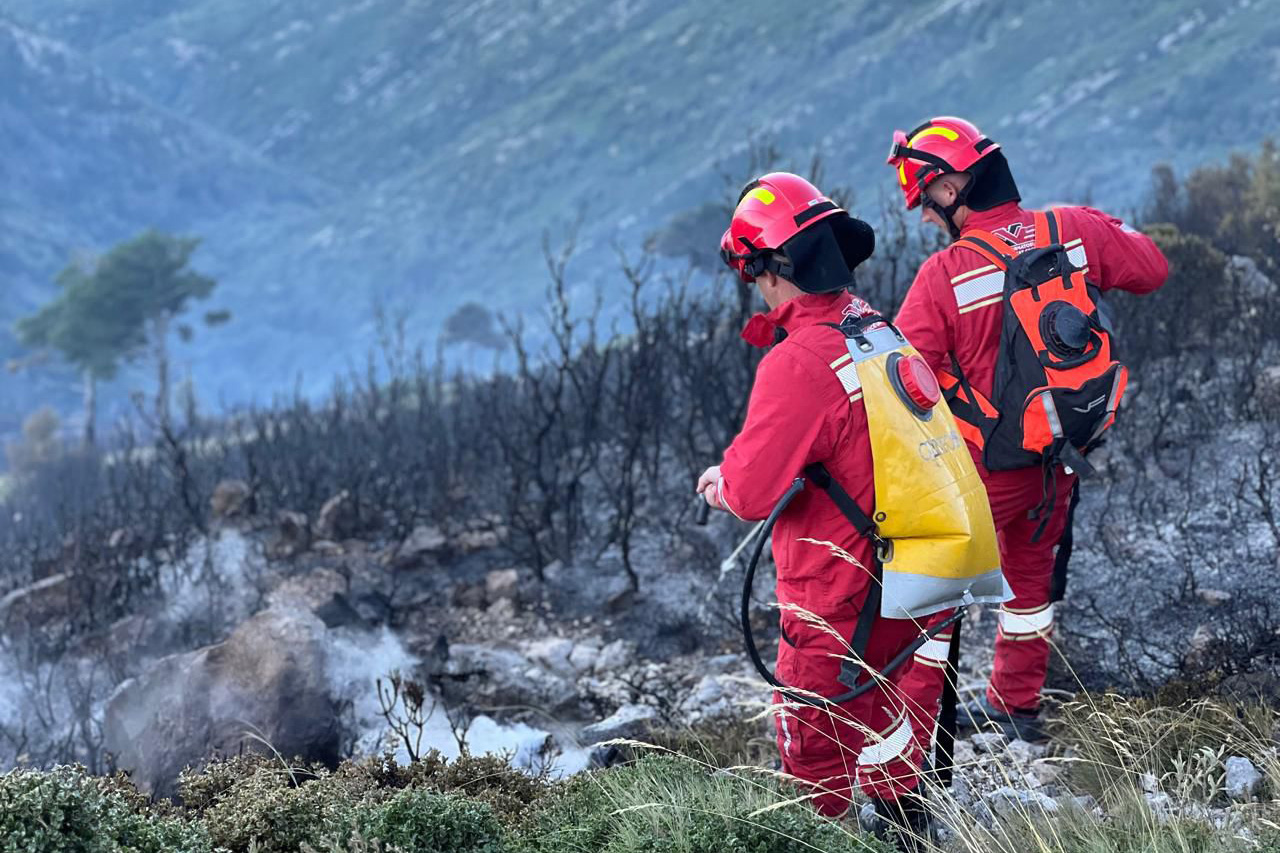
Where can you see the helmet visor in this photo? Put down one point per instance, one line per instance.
(905, 169)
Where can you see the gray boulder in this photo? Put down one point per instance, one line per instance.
(266, 682)
(501, 676)
(1243, 782)
(1009, 803)
(629, 721)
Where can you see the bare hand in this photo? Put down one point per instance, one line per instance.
(709, 486)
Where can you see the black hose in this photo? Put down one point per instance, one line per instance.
(748, 582)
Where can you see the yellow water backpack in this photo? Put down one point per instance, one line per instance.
(934, 538)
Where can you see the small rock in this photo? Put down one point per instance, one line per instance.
(583, 657)
(709, 698)
(964, 753)
(479, 540)
(553, 653)
(614, 657)
(629, 721)
(1213, 597)
(338, 518)
(502, 584)
(230, 498)
(1161, 804)
(506, 677)
(722, 664)
(423, 541)
(961, 790)
(1010, 803)
(1243, 782)
(988, 742)
(502, 611)
(1024, 752)
(313, 590)
(118, 537)
(1046, 772)
(1149, 783)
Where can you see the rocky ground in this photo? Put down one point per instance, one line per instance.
(299, 620)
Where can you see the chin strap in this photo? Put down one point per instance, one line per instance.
(949, 211)
(759, 260)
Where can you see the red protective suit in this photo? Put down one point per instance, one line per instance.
(954, 306)
(799, 414)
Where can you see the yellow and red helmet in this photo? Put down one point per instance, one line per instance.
(776, 209)
(938, 147)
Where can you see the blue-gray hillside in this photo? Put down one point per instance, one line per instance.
(335, 152)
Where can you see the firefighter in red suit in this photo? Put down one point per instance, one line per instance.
(800, 249)
(953, 310)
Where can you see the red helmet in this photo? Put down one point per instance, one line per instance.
(771, 210)
(774, 209)
(937, 147)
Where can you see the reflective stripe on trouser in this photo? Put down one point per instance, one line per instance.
(872, 742)
(1026, 621)
(925, 677)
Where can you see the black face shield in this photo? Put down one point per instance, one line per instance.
(824, 256)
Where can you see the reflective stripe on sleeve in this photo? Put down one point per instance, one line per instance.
(1076, 253)
(982, 287)
(848, 376)
(965, 276)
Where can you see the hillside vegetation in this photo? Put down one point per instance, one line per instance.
(334, 152)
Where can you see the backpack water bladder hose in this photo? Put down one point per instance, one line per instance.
(931, 527)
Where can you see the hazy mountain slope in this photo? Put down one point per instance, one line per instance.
(456, 132)
(88, 161)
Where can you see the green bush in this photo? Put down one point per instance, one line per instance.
(50, 813)
(251, 803)
(421, 821)
(487, 778)
(67, 811)
(677, 806)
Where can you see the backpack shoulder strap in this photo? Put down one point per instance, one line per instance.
(989, 246)
(821, 477)
(1047, 231)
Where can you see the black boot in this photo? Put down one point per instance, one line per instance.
(978, 714)
(907, 823)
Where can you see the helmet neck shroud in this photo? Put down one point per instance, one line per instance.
(990, 185)
(824, 256)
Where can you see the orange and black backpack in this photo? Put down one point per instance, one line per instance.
(1057, 384)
